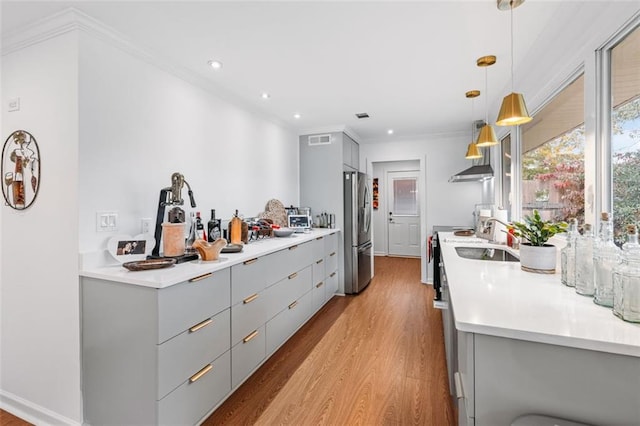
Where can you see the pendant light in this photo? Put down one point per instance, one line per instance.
(487, 136)
(472, 151)
(513, 110)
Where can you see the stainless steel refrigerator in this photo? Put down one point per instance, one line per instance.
(357, 232)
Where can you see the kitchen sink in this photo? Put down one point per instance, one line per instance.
(484, 253)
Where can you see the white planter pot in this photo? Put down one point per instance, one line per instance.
(538, 259)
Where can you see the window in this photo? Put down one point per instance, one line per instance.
(625, 132)
(553, 157)
(505, 148)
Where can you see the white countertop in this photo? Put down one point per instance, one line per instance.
(499, 299)
(161, 278)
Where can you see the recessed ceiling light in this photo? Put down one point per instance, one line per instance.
(390, 131)
(216, 65)
(265, 95)
(296, 116)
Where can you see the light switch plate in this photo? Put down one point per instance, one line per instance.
(106, 221)
(13, 105)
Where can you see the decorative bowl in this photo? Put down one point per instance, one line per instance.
(283, 232)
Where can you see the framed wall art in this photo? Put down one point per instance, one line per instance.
(20, 169)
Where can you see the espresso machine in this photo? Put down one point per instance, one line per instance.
(172, 196)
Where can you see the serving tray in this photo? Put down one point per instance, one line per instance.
(144, 265)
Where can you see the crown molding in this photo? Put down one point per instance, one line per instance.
(72, 19)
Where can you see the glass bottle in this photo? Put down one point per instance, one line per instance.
(193, 229)
(200, 232)
(213, 227)
(18, 185)
(626, 279)
(605, 258)
(568, 257)
(584, 262)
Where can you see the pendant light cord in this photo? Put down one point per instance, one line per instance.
(486, 96)
(511, 10)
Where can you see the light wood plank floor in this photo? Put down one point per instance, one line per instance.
(372, 359)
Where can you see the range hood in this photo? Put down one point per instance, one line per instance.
(481, 169)
(476, 173)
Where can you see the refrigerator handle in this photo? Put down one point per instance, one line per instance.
(354, 208)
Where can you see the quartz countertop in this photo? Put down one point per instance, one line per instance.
(500, 299)
(161, 278)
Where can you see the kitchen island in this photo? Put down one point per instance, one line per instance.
(167, 346)
(524, 343)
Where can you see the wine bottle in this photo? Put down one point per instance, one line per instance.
(213, 227)
(18, 185)
(200, 232)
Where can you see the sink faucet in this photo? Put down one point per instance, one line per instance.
(487, 230)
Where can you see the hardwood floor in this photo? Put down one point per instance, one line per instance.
(372, 359)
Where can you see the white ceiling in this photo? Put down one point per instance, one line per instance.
(407, 64)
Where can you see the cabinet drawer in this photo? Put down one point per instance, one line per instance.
(318, 271)
(318, 247)
(331, 243)
(249, 277)
(183, 305)
(247, 316)
(300, 256)
(318, 295)
(194, 399)
(331, 283)
(288, 290)
(331, 262)
(286, 322)
(246, 356)
(179, 357)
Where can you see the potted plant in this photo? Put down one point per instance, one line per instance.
(535, 254)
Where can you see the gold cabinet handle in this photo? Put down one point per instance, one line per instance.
(250, 261)
(250, 298)
(201, 277)
(333, 254)
(250, 336)
(319, 284)
(200, 325)
(200, 373)
(332, 274)
(292, 276)
(293, 305)
(293, 247)
(319, 261)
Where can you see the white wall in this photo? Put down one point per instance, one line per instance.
(112, 128)
(380, 216)
(440, 156)
(139, 124)
(40, 339)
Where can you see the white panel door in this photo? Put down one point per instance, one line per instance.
(403, 214)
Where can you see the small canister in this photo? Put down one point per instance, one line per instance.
(173, 239)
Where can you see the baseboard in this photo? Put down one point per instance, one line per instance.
(31, 412)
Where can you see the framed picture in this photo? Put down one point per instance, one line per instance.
(125, 248)
(20, 170)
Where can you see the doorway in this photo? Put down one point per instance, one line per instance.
(396, 219)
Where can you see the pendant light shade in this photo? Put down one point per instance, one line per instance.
(513, 110)
(473, 152)
(487, 136)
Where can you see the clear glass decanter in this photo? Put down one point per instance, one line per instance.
(193, 229)
(626, 279)
(605, 257)
(584, 262)
(568, 257)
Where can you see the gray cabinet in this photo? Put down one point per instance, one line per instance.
(143, 348)
(321, 178)
(170, 355)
